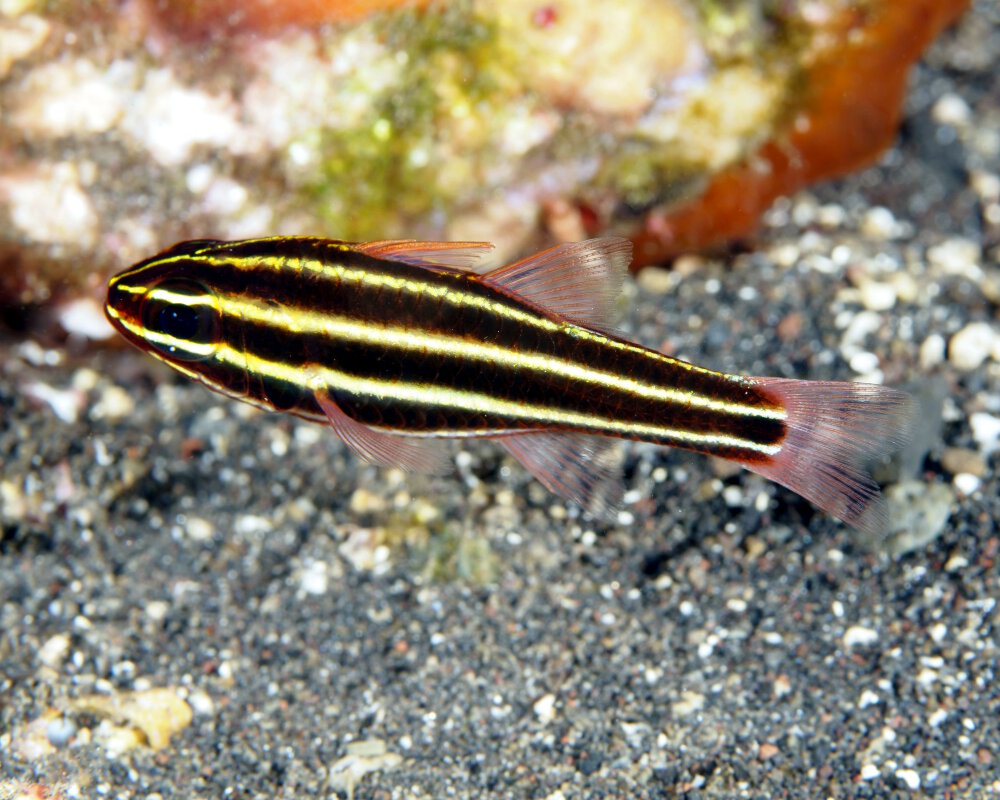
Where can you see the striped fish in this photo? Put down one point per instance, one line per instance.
(398, 345)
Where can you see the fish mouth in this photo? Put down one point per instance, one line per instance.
(121, 308)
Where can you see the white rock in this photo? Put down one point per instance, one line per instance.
(48, 205)
(859, 636)
(986, 431)
(868, 698)
(859, 327)
(64, 98)
(877, 296)
(85, 317)
(951, 109)
(932, 351)
(869, 772)
(879, 223)
(314, 579)
(972, 345)
(690, 703)
(966, 483)
(957, 256)
(544, 708)
(199, 529)
(19, 38)
(66, 404)
(864, 362)
(54, 651)
(169, 119)
(115, 403)
(909, 777)
(937, 717)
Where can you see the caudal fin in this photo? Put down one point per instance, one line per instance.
(836, 431)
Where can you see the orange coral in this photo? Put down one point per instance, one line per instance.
(850, 115)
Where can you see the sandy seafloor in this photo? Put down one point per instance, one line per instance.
(338, 628)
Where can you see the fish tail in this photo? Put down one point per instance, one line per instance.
(834, 433)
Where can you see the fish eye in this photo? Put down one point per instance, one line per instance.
(181, 321)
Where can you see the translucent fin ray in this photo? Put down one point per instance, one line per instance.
(835, 432)
(462, 256)
(579, 467)
(580, 281)
(414, 454)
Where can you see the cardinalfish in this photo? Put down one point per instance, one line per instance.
(400, 345)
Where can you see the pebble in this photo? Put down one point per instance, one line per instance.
(363, 757)
(767, 751)
(66, 404)
(53, 653)
(951, 109)
(201, 703)
(313, 579)
(85, 317)
(932, 351)
(956, 563)
(364, 501)
(690, 703)
(859, 636)
(910, 778)
(973, 345)
(114, 403)
(986, 431)
(199, 529)
(868, 698)
(864, 362)
(60, 731)
(877, 296)
(869, 772)
(879, 223)
(362, 549)
(961, 459)
(545, 708)
(966, 484)
(957, 256)
(859, 327)
(658, 280)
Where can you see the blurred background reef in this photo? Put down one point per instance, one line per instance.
(127, 126)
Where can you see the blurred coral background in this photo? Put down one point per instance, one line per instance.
(128, 126)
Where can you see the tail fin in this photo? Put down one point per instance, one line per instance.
(835, 432)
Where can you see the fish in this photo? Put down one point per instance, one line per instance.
(402, 345)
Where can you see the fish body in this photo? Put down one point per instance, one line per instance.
(399, 345)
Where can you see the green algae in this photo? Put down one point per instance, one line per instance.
(398, 163)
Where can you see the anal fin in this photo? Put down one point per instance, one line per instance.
(414, 454)
(576, 466)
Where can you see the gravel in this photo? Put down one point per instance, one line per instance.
(319, 628)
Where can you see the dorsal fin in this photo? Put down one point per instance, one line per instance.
(579, 281)
(464, 256)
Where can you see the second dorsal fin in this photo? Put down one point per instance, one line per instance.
(579, 281)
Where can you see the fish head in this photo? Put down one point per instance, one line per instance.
(167, 307)
(161, 305)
